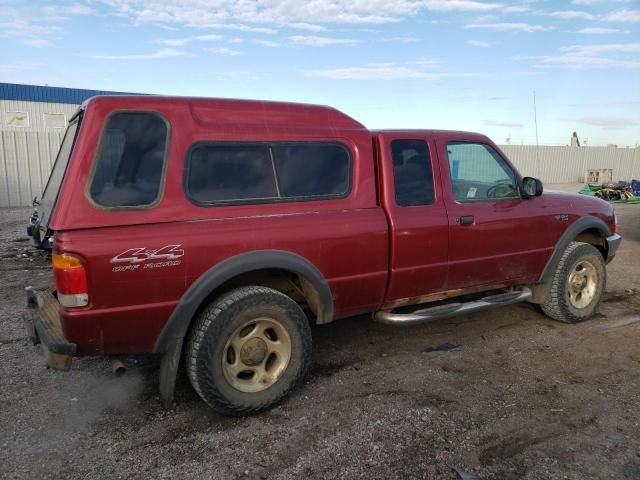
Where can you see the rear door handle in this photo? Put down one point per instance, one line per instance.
(465, 220)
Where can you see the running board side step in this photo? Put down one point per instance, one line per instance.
(425, 315)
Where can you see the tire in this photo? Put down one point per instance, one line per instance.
(575, 302)
(237, 356)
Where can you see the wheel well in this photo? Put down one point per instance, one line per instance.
(593, 237)
(295, 286)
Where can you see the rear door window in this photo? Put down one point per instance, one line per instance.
(222, 173)
(131, 161)
(412, 172)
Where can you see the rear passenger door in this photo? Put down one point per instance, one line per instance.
(413, 201)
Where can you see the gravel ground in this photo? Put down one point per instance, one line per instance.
(520, 396)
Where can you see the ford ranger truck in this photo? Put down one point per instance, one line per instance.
(214, 232)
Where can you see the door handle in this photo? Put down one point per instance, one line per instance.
(466, 220)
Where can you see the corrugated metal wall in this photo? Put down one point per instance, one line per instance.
(35, 114)
(568, 164)
(26, 158)
(27, 152)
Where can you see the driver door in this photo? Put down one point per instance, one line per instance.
(492, 230)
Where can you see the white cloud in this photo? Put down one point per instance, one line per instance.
(515, 9)
(497, 123)
(460, 6)
(486, 18)
(287, 12)
(596, 2)
(597, 31)
(180, 42)
(37, 25)
(240, 27)
(227, 52)
(602, 55)
(175, 42)
(267, 43)
(585, 62)
(307, 26)
(425, 62)
(586, 50)
(209, 38)
(478, 43)
(164, 53)
(23, 66)
(28, 32)
(382, 71)
(623, 16)
(608, 123)
(506, 27)
(62, 12)
(401, 39)
(315, 41)
(571, 15)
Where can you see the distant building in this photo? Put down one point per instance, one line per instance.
(32, 123)
(574, 140)
(33, 108)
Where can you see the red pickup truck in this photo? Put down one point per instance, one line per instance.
(214, 232)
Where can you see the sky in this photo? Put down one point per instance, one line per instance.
(452, 64)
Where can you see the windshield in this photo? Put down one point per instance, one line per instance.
(45, 205)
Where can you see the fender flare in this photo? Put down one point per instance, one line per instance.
(175, 329)
(576, 228)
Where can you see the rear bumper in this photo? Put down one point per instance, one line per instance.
(613, 242)
(42, 320)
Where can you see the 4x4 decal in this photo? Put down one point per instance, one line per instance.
(170, 256)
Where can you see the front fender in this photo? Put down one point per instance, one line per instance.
(577, 227)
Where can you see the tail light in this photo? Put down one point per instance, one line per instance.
(71, 279)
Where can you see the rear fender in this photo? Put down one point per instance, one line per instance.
(178, 324)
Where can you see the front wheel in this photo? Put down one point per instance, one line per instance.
(248, 350)
(577, 284)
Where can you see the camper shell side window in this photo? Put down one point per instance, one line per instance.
(129, 168)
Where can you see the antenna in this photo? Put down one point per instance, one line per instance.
(535, 121)
(535, 116)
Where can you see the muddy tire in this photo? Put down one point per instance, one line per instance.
(248, 350)
(577, 284)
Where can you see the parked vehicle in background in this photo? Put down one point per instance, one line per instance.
(217, 231)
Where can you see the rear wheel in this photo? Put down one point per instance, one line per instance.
(248, 350)
(577, 284)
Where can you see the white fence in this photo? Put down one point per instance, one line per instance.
(568, 164)
(26, 158)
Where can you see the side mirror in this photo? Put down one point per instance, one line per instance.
(531, 187)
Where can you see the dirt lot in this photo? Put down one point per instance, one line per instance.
(520, 397)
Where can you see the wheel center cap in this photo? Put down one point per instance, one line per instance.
(253, 351)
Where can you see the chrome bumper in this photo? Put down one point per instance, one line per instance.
(43, 326)
(613, 242)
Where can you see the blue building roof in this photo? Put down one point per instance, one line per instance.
(37, 93)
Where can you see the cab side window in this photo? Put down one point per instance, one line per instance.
(412, 172)
(479, 173)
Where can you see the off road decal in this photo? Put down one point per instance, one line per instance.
(142, 258)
